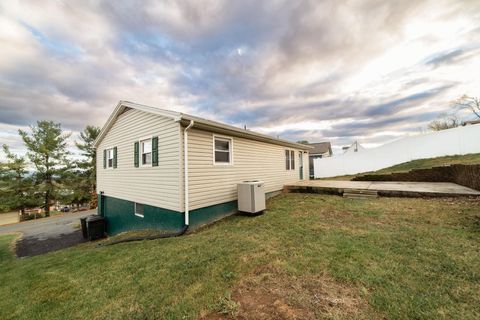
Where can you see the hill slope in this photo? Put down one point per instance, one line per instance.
(473, 158)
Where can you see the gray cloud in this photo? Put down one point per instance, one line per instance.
(265, 64)
(453, 56)
(400, 104)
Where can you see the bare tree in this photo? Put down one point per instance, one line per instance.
(471, 103)
(445, 122)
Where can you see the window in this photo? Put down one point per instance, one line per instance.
(292, 160)
(139, 210)
(146, 152)
(222, 150)
(109, 158)
(289, 160)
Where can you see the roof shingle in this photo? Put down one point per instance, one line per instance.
(320, 147)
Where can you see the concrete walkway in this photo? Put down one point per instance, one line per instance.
(385, 188)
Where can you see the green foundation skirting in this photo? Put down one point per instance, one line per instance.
(205, 215)
(120, 215)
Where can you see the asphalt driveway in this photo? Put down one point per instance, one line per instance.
(47, 234)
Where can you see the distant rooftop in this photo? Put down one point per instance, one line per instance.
(471, 122)
(320, 148)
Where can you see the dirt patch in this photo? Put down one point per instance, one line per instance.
(32, 246)
(270, 295)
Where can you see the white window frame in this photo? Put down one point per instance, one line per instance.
(230, 150)
(108, 150)
(140, 152)
(286, 152)
(135, 210)
(292, 160)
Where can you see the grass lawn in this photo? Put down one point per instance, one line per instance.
(309, 256)
(473, 158)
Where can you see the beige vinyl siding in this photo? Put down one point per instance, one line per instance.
(211, 184)
(156, 186)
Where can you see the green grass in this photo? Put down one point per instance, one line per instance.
(399, 258)
(432, 162)
(473, 158)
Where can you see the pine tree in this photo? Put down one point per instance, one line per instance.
(87, 166)
(16, 184)
(47, 150)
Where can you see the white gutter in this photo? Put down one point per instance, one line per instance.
(185, 170)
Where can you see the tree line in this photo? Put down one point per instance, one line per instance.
(47, 172)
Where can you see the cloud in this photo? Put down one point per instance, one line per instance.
(453, 56)
(329, 70)
(397, 105)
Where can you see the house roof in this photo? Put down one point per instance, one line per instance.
(199, 123)
(355, 147)
(320, 148)
(472, 122)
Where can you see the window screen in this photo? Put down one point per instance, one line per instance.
(292, 160)
(146, 152)
(110, 158)
(222, 150)
(287, 159)
(139, 210)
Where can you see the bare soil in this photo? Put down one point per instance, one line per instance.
(270, 295)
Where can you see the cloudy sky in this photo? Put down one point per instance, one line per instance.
(371, 71)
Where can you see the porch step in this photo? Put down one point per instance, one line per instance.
(360, 194)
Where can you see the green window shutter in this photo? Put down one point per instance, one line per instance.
(114, 157)
(135, 153)
(155, 151)
(104, 159)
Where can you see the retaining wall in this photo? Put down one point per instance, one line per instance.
(465, 175)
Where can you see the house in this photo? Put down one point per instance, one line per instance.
(354, 147)
(471, 122)
(319, 150)
(167, 170)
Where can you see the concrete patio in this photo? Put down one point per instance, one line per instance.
(384, 188)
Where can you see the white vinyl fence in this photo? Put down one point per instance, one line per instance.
(461, 140)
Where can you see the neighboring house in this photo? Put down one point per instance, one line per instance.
(320, 150)
(354, 147)
(163, 169)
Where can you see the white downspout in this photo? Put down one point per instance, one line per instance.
(185, 170)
